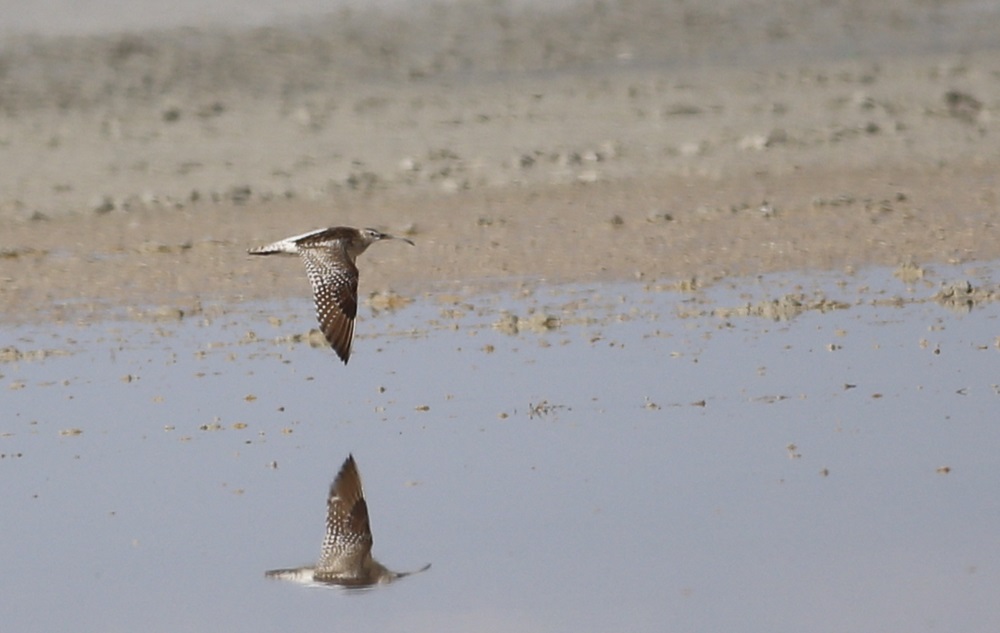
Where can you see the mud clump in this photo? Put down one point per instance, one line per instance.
(783, 308)
(963, 296)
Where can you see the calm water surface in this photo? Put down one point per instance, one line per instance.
(643, 465)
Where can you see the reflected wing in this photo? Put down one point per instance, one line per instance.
(348, 541)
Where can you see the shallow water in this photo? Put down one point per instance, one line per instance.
(639, 463)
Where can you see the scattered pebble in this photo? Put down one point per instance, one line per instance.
(962, 105)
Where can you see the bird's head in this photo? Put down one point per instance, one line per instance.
(370, 236)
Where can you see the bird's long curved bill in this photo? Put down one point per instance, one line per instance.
(401, 239)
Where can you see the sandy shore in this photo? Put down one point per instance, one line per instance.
(633, 140)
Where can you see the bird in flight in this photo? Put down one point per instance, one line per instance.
(346, 559)
(330, 256)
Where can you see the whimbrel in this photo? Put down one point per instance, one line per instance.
(330, 255)
(346, 559)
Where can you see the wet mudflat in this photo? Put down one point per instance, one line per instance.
(796, 452)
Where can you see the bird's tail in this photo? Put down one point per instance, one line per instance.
(299, 574)
(284, 247)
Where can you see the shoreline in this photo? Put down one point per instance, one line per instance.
(693, 230)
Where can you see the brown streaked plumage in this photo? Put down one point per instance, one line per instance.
(346, 559)
(330, 257)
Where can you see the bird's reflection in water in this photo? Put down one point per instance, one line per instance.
(346, 559)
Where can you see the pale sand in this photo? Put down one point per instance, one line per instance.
(653, 143)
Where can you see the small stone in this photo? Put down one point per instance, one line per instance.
(778, 136)
(239, 194)
(103, 204)
(962, 105)
(755, 142)
(172, 114)
(659, 216)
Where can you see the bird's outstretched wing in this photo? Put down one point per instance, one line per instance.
(335, 292)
